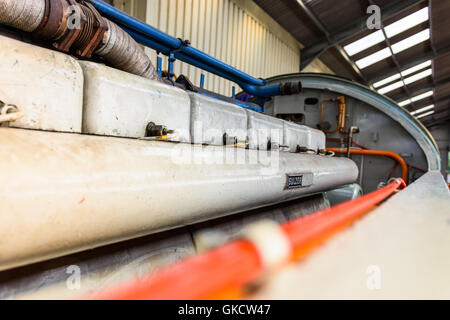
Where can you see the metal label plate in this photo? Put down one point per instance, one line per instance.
(298, 180)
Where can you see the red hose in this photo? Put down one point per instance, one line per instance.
(238, 263)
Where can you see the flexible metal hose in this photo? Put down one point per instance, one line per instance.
(117, 47)
(24, 15)
(121, 51)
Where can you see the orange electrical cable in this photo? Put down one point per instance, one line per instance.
(222, 271)
(389, 154)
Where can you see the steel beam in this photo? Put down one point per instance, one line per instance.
(437, 122)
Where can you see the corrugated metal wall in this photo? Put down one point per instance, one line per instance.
(224, 30)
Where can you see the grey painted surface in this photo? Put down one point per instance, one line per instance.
(442, 136)
(133, 259)
(380, 128)
(397, 251)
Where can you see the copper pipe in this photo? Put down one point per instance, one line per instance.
(389, 154)
(341, 114)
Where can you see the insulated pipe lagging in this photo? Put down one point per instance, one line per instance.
(118, 48)
(25, 15)
(124, 53)
(168, 41)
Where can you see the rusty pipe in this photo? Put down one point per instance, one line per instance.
(384, 153)
(47, 19)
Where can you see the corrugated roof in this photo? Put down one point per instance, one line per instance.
(327, 26)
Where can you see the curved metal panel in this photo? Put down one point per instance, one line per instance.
(378, 101)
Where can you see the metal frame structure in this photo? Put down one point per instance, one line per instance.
(337, 40)
(310, 53)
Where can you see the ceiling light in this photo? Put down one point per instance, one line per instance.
(387, 80)
(373, 58)
(391, 87)
(416, 68)
(409, 80)
(411, 41)
(404, 103)
(418, 76)
(416, 98)
(422, 96)
(391, 30)
(423, 109)
(425, 114)
(406, 23)
(364, 43)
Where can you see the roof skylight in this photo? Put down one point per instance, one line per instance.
(418, 76)
(396, 48)
(404, 73)
(364, 43)
(411, 41)
(373, 58)
(425, 114)
(416, 98)
(391, 30)
(391, 87)
(423, 109)
(408, 80)
(407, 22)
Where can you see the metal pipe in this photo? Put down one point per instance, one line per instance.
(24, 15)
(116, 47)
(166, 44)
(240, 262)
(265, 91)
(389, 154)
(124, 53)
(170, 42)
(341, 114)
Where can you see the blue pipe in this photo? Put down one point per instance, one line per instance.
(265, 91)
(164, 43)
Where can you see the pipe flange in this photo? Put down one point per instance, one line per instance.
(54, 23)
(93, 32)
(71, 34)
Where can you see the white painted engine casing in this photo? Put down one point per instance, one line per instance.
(262, 129)
(46, 85)
(64, 193)
(118, 103)
(211, 119)
(302, 136)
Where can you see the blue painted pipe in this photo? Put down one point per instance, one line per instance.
(164, 43)
(265, 91)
